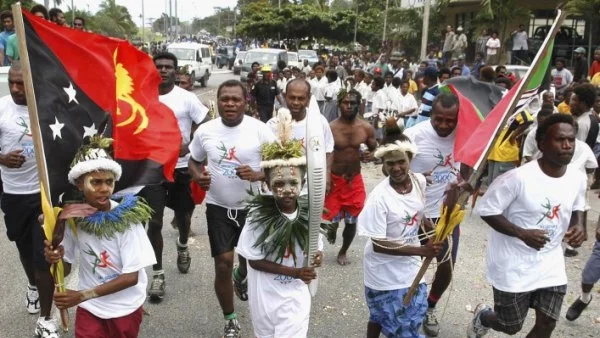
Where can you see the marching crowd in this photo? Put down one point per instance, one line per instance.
(250, 161)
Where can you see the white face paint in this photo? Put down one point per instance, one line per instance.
(285, 182)
(94, 181)
(396, 165)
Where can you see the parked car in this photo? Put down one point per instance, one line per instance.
(566, 41)
(225, 57)
(237, 63)
(194, 55)
(264, 56)
(310, 55)
(293, 60)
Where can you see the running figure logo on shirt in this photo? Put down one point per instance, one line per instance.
(443, 161)
(21, 123)
(551, 211)
(410, 220)
(228, 154)
(99, 261)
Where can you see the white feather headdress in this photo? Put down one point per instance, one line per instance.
(401, 146)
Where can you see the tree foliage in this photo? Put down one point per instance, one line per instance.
(498, 13)
(6, 4)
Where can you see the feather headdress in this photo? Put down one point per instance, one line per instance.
(286, 151)
(401, 146)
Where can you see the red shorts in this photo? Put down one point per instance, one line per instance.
(345, 196)
(89, 326)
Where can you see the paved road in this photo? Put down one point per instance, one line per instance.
(190, 308)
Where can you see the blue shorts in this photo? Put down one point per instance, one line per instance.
(386, 308)
(591, 272)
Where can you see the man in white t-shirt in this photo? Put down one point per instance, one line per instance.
(407, 104)
(530, 149)
(581, 105)
(531, 209)
(519, 45)
(231, 146)
(176, 195)
(109, 242)
(299, 102)
(317, 86)
(21, 202)
(561, 76)
(492, 49)
(435, 140)
(392, 256)
(381, 102)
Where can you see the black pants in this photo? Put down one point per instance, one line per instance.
(265, 113)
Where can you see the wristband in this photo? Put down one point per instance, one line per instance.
(88, 294)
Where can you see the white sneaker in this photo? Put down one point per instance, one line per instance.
(46, 328)
(32, 300)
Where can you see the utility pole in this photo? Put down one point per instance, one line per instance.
(72, 13)
(170, 18)
(355, 20)
(143, 24)
(387, 4)
(425, 29)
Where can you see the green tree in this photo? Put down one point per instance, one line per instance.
(590, 11)
(114, 20)
(340, 5)
(6, 4)
(160, 25)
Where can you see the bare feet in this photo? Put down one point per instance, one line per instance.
(342, 259)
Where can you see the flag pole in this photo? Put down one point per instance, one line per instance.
(464, 195)
(49, 217)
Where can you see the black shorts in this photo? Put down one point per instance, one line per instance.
(176, 195)
(224, 228)
(21, 214)
(511, 308)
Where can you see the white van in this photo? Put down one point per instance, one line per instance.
(196, 56)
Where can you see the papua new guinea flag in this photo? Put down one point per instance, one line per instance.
(87, 84)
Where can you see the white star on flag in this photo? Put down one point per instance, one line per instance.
(71, 92)
(90, 131)
(56, 128)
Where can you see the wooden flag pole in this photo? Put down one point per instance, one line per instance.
(36, 135)
(464, 196)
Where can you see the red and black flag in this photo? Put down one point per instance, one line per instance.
(86, 84)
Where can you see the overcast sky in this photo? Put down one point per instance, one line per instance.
(187, 9)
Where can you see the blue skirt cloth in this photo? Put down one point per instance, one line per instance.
(386, 308)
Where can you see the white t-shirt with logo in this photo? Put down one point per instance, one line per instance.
(435, 154)
(102, 260)
(530, 199)
(279, 304)
(188, 110)
(390, 216)
(226, 149)
(15, 134)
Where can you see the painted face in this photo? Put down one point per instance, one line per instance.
(97, 187)
(349, 106)
(396, 165)
(286, 183)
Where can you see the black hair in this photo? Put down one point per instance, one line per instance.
(281, 64)
(378, 81)
(54, 12)
(388, 73)
(447, 100)
(343, 93)
(254, 64)
(497, 70)
(6, 14)
(545, 112)
(298, 80)
(79, 18)
(553, 119)
(561, 60)
(586, 93)
(396, 82)
(480, 54)
(505, 80)
(331, 75)
(444, 70)
(40, 9)
(391, 134)
(547, 105)
(166, 55)
(232, 83)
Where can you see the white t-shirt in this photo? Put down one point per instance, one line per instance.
(380, 100)
(530, 199)
(561, 77)
(15, 134)
(583, 125)
(530, 146)
(188, 110)
(331, 90)
(583, 158)
(520, 41)
(407, 102)
(390, 216)
(317, 88)
(299, 131)
(493, 46)
(435, 154)
(102, 260)
(226, 149)
(279, 304)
